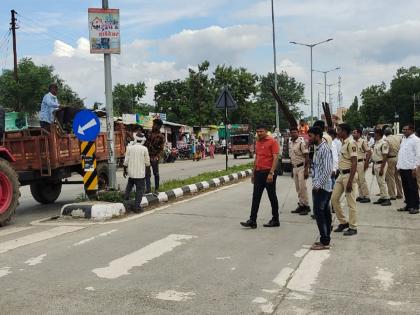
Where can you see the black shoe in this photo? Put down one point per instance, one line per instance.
(313, 216)
(403, 209)
(272, 223)
(358, 199)
(393, 198)
(341, 227)
(399, 197)
(140, 210)
(414, 211)
(305, 210)
(365, 200)
(297, 210)
(386, 202)
(379, 201)
(350, 232)
(249, 224)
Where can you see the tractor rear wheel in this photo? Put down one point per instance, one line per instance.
(46, 192)
(9, 191)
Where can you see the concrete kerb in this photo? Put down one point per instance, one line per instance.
(101, 211)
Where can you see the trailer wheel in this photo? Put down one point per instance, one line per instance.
(103, 177)
(46, 192)
(9, 191)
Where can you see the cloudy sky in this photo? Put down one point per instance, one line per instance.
(162, 38)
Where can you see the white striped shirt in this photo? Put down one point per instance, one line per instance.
(322, 167)
(136, 160)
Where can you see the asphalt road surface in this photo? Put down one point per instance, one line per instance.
(30, 210)
(193, 257)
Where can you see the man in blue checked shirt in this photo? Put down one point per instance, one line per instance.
(48, 106)
(321, 187)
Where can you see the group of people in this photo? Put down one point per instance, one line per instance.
(338, 160)
(200, 147)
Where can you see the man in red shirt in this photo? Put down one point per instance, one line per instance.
(267, 150)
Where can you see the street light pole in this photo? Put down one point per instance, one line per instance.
(311, 46)
(325, 80)
(112, 166)
(275, 65)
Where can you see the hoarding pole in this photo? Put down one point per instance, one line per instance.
(109, 116)
(226, 129)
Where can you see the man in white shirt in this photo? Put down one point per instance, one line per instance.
(135, 162)
(408, 161)
(48, 106)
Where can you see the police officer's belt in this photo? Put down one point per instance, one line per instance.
(360, 160)
(345, 171)
(391, 157)
(299, 165)
(378, 162)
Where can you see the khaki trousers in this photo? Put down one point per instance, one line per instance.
(393, 179)
(361, 180)
(383, 188)
(339, 189)
(300, 185)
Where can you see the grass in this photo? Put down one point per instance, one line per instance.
(118, 196)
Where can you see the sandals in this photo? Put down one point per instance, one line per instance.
(319, 246)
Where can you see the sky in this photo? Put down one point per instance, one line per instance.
(161, 39)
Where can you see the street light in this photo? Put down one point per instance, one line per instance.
(275, 67)
(325, 80)
(311, 46)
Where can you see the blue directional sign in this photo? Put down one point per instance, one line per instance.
(86, 125)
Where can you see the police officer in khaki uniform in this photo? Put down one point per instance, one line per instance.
(363, 158)
(299, 155)
(380, 166)
(346, 182)
(392, 177)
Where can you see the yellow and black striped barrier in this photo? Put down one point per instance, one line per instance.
(90, 175)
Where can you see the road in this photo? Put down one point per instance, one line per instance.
(30, 210)
(192, 257)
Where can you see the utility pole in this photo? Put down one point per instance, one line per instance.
(319, 117)
(340, 94)
(275, 67)
(13, 27)
(109, 116)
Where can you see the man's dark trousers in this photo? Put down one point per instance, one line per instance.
(321, 199)
(411, 192)
(260, 183)
(139, 183)
(154, 165)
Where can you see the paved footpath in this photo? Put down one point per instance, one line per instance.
(192, 257)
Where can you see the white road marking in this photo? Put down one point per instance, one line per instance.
(90, 289)
(259, 300)
(224, 258)
(267, 308)
(36, 260)
(282, 277)
(172, 295)
(270, 291)
(394, 303)
(233, 268)
(4, 271)
(12, 230)
(301, 252)
(122, 266)
(37, 237)
(385, 278)
(87, 240)
(297, 296)
(307, 273)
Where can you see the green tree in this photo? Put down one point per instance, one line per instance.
(26, 94)
(353, 117)
(171, 97)
(375, 107)
(127, 97)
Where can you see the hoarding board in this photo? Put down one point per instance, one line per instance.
(104, 31)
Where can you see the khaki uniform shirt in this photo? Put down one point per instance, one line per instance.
(348, 150)
(297, 151)
(394, 143)
(380, 148)
(362, 149)
(327, 138)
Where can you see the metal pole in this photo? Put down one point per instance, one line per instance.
(226, 134)
(109, 116)
(275, 65)
(312, 95)
(13, 24)
(325, 87)
(414, 111)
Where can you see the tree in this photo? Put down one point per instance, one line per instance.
(353, 117)
(127, 98)
(375, 108)
(26, 94)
